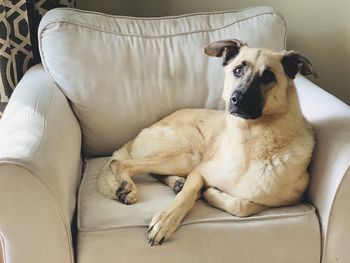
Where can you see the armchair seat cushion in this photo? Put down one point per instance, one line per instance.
(113, 232)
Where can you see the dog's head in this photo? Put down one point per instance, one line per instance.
(257, 80)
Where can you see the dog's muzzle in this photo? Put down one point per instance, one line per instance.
(246, 105)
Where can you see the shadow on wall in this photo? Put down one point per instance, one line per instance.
(319, 31)
(330, 55)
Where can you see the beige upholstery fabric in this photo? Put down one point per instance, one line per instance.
(122, 74)
(121, 69)
(112, 232)
(329, 189)
(40, 141)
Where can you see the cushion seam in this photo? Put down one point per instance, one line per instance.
(203, 221)
(165, 17)
(163, 35)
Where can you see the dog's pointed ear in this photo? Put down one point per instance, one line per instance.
(293, 63)
(228, 49)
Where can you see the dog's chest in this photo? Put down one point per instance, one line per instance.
(225, 168)
(247, 173)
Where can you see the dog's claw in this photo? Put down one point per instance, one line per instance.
(152, 242)
(122, 187)
(126, 193)
(155, 238)
(121, 197)
(161, 241)
(150, 229)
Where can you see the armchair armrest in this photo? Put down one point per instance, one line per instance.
(40, 169)
(329, 188)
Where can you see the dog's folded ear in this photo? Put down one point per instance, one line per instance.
(293, 63)
(228, 49)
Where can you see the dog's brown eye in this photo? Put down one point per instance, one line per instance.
(238, 71)
(268, 76)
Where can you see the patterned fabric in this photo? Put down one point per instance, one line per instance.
(19, 20)
(2, 107)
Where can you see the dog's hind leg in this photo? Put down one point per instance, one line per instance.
(179, 163)
(163, 163)
(233, 205)
(174, 182)
(108, 183)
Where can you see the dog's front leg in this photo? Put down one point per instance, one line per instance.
(165, 223)
(233, 205)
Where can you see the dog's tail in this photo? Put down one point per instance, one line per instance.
(107, 182)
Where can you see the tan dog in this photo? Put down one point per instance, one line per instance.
(250, 157)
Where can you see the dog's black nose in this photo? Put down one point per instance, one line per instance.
(235, 98)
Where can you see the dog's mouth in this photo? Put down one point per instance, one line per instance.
(244, 115)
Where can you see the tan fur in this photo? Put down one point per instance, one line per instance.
(245, 165)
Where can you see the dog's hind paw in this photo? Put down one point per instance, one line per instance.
(107, 183)
(127, 193)
(178, 185)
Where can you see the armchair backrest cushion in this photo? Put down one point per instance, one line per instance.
(122, 74)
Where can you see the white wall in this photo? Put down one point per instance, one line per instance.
(320, 29)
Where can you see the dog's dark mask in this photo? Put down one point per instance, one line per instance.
(247, 101)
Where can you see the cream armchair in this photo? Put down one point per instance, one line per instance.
(40, 172)
(104, 78)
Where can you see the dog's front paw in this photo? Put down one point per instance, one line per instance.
(127, 192)
(163, 225)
